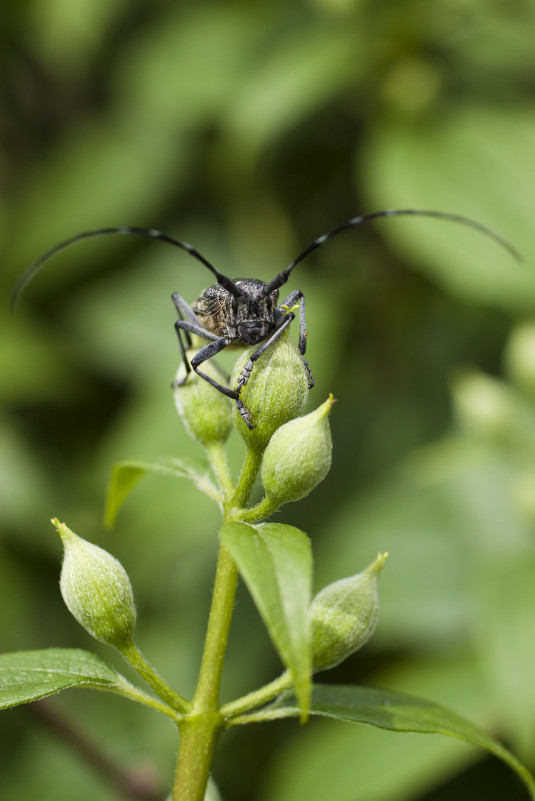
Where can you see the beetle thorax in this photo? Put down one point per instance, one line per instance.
(249, 317)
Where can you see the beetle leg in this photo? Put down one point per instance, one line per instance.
(248, 367)
(288, 303)
(185, 313)
(210, 350)
(184, 328)
(184, 310)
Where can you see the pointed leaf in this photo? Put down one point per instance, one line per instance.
(275, 561)
(126, 474)
(29, 675)
(397, 712)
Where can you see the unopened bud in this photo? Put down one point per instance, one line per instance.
(343, 616)
(205, 411)
(484, 405)
(96, 590)
(276, 389)
(520, 357)
(298, 456)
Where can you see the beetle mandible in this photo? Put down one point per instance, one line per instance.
(245, 311)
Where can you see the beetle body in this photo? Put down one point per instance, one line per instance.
(245, 320)
(244, 311)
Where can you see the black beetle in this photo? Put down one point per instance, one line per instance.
(244, 311)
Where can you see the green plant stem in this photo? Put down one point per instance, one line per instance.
(200, 729)
(220, 466)
(260, 512)
(256, 698)
(249, 471)
(134, 657)
(128, 690)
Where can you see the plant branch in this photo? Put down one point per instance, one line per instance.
(220, 466)
(200, 730)
(249, 471)
(135, 658)
(256, 698)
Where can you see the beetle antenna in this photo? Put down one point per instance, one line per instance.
(455, 218)
(26, 277)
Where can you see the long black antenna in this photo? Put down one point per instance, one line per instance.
(26, 277)
(455, 218)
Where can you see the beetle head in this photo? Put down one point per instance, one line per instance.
(253, 310)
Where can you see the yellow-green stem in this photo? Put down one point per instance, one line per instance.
(257, 698)
(201, 727)
(220, 466)
(133, 655)
(249, 471)
(200, 730)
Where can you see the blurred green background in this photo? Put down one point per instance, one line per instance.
(248, 129)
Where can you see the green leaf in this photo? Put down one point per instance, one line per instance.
(396, 712)
(476, 162)
(126, 474)
(29, 675)
(275, 561)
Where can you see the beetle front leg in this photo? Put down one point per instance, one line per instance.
(289, 303)
(185, 328)
(212, 349)
(249, 365)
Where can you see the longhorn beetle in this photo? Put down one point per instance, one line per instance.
(244, 311)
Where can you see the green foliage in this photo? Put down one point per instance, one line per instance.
(275, 561)
(249, 131)
(30, 675)
(397, 712)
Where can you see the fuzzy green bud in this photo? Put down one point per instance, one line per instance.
(298, 456)
(484, 405)
(343, 616)
(96, 590)
(276, 390)
(520, 357)
(205, 411)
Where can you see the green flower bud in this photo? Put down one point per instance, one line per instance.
(96, 590)
(520, 357)
(343, 616)
(484, 406)
(205, 411)
(298, 456)
(276, 391)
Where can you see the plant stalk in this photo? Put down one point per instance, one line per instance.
(201, 727)
(200, 730)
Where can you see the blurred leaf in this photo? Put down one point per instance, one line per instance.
(295, 79)
(275, 561)
(398, 712)
(476, 162)
(68, 34)
(204, 52)
(107, 173)
(29, 675)
(34, 361)
(506, 636)
(126, 474)
(322, 758)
